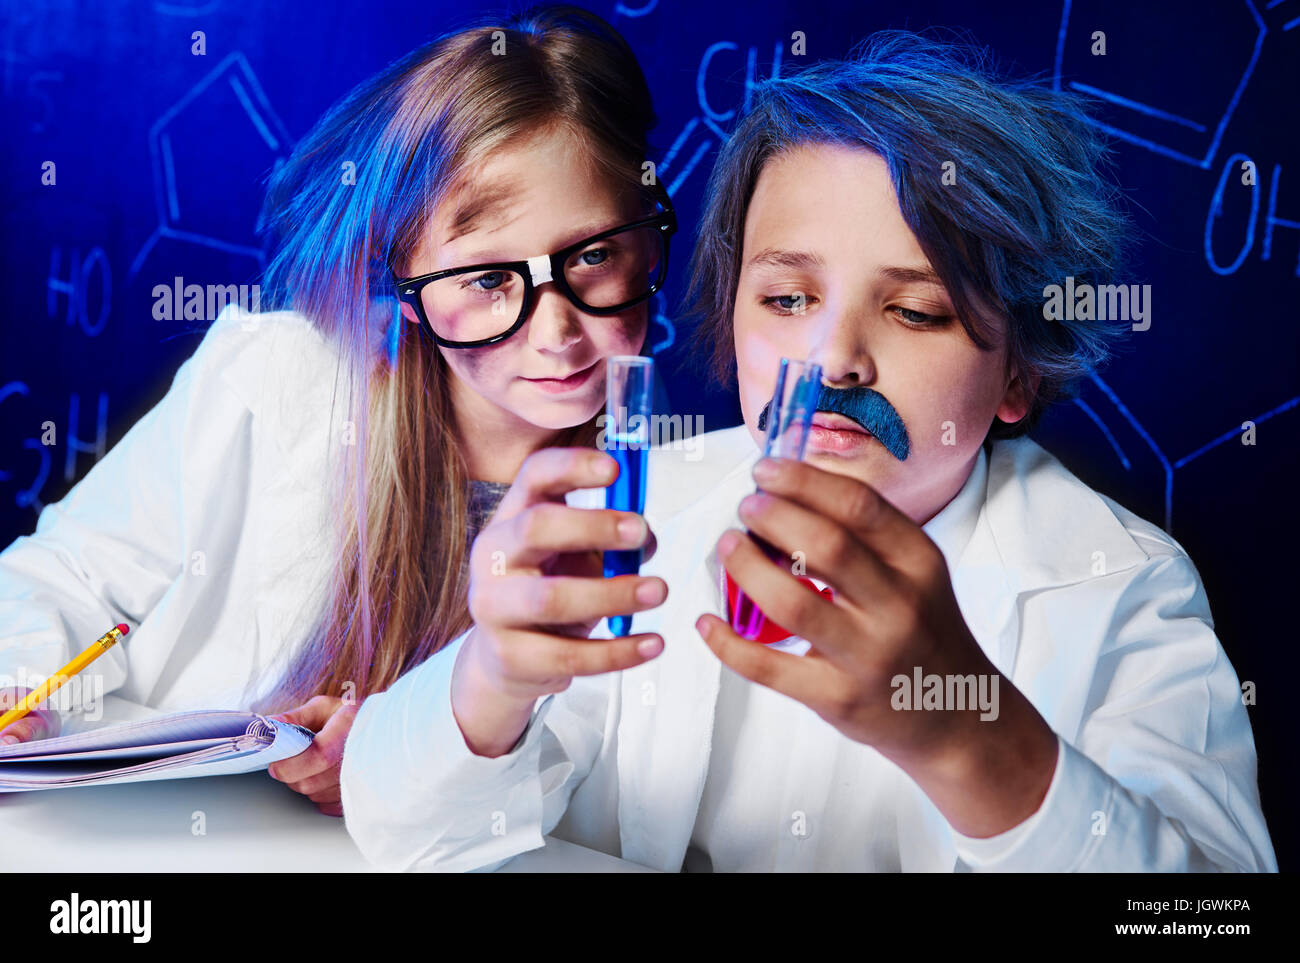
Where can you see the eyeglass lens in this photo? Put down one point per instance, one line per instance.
(604, 274)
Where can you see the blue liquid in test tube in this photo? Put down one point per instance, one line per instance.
(789, 417)
(629, 393)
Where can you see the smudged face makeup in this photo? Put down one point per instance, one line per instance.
(541, 194)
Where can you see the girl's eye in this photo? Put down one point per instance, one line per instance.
(918, 319)
(787, 303)
(487, 281)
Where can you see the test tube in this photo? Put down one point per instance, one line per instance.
(629, 396)
(789, 417)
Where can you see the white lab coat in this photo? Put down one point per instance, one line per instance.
(203, 529)
(1156, 764)
(206, 529)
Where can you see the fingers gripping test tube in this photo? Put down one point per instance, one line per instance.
(629, 396)
(789, 418)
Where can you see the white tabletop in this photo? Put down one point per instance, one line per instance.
(249, 823)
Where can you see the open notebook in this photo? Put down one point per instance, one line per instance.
(178, 746)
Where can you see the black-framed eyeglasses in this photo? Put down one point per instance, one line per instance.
(482, 304)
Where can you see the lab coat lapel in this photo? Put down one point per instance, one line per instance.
(986, 599)
(1040, 529)
(1050, 529)
(666, 724)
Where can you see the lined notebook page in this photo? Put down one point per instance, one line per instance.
(176, 746)
(161, 730)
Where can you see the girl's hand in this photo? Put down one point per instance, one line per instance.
(314, 772)
(537, 590)
(37, 724)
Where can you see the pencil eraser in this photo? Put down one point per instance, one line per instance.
(121, 626)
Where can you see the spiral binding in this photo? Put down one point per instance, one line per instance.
(261, 730)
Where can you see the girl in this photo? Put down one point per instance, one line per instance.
(492, 182)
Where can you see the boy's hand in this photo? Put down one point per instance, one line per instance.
(894, 610)
(314, 772)
(38, 724)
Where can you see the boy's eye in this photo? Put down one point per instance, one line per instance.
(787, 303)
(594, 256)
(919, 319)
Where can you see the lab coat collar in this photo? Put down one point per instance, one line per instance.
(1059, 533)
(665, 727)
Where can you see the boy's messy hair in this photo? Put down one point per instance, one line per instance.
(1029, 206)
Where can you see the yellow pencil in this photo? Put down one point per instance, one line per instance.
(42, 692)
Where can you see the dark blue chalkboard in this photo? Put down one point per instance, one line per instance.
(158, 153)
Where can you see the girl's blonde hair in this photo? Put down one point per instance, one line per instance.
(410, 135)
